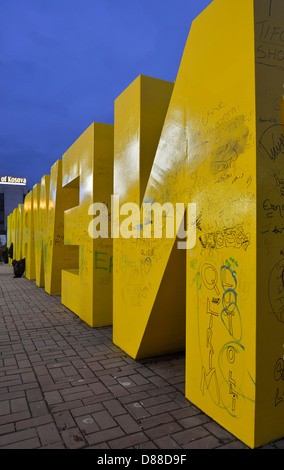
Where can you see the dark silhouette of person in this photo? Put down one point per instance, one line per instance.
(19, 267)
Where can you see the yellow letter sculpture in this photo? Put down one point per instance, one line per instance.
(28, 243)
(12, 236)
(233, 70)
(88, 165)
(11, 232)
(145, 323)
(57, 255)
(40, 212)
(17, 254)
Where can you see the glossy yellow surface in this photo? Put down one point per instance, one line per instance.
(40, 212)
(269, 41)
(88, 166)
(28, 242)
(149, 296)
(57, 255)
(10, 233)
(19, 211)
(234, 342)
(221, 276)
(12, 236)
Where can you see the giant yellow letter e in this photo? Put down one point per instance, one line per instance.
(88, 165)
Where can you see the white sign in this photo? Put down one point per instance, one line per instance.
(12, 180)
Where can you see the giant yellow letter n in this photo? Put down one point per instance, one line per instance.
(146, 323)
(220, 148)
(88, 166)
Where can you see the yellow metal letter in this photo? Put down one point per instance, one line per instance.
(40, 210)
(18, 232)
(149, 300)
(28, 244)
(88, 165)
(233, 79)
(57, 255)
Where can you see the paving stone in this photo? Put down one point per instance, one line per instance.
(163, 430)
(14, 417)
(65, 406)
(185, 437)
(53, 397)
(73, 438)
(105, 435)
(147, 403)
(7, 428)
(137, 410)
(31, 423)
(218, 431)
(97, 398)
(146, 445)
(17, 437)
(166, 442)
(193, 421)
(98, 388)
(33, 443)
(54, 446)
(128, 441)
(39, 408)
(162, 408)
(279, 444)
(156, 420)
(128, 424)
(64, 420)
(136, 397)
(87, 424)
(184, 412)
(104, 420)
(114, 407)
(233, 445)
(34, 395)
(4, 407)
(208, 442)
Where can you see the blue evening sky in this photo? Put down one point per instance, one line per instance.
(63, 63)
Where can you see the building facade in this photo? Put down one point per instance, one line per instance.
(12, 193)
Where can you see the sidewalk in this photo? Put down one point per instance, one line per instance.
(65, 385)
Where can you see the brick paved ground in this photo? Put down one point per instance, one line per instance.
(65, 385)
